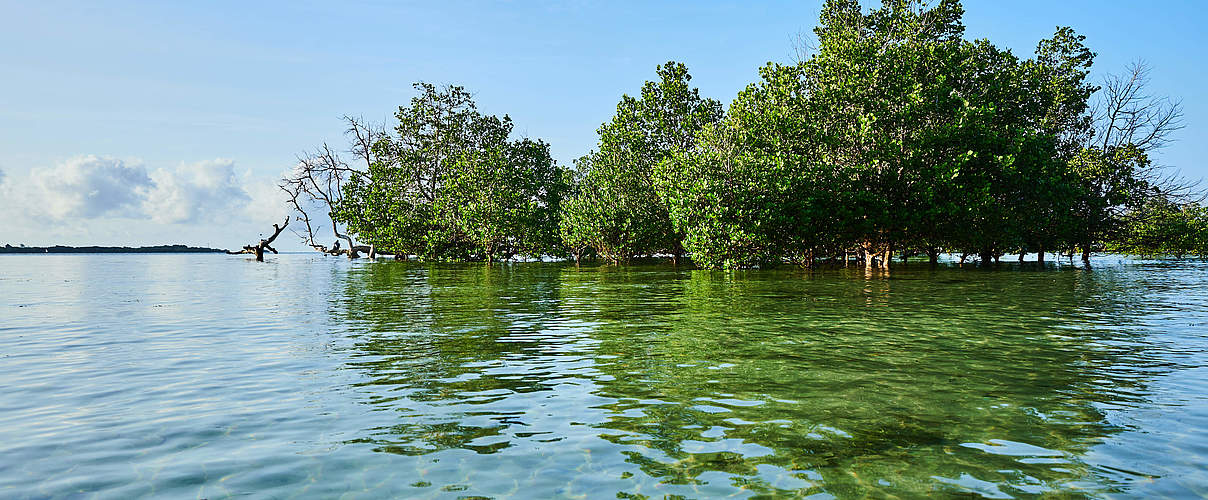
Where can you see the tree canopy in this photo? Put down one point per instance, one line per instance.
(448, 183)
(896, 136)
(616, 209)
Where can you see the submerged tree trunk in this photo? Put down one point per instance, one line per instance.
(352, 249)
(1040, 254)
(264, 244)
(986, 257)
(807, 259)
(875, 256)
(933, 256)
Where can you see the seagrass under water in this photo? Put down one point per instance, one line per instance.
(208, 376)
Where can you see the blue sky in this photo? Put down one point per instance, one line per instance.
(199, 106)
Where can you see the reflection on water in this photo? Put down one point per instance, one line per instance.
(151, 376)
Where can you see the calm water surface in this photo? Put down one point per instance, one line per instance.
(211, 376)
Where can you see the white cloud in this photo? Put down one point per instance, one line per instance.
(87, 187)
(92, 200)
(207, 190)
(93, 187)
(268, 203)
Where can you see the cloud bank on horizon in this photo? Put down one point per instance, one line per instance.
(103, 200)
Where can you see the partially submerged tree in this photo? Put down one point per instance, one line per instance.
(835, 153)
(893, 135)
(616, 209)
(392, 204)
(503, 201)
(741, 193)
(897, 135)
(259, 248)
(445, 183)
(1115, 169)
(318, 183)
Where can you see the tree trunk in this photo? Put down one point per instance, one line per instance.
(986, 257)
(933, 256)
(1086, 253)
(874, 258)
(1040, 254)
(265, 244)
(1021, 254)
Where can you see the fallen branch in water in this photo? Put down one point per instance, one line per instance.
(265, 244)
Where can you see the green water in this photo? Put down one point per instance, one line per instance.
(210, 376)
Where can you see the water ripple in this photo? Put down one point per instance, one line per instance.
(145, 376)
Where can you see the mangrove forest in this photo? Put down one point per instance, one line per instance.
(893, 135)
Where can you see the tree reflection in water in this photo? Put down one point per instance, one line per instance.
(655, 380)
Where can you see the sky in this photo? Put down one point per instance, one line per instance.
(142, 123)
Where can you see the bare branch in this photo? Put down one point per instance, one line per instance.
(803, 47)
(1127, 114)
(264, 244)
(365, 136)
(319, 179)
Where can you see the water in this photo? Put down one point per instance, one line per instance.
(211, 376)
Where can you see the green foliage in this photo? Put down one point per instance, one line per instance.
(615, 209)
(1164, 228)
(1108, 186)
(449, 185)
(898, 135)
(740, 194)
(503, 201)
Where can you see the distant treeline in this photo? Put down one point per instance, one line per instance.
(893, 135)
(96, 249)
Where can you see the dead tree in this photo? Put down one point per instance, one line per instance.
(1127, 114)
(318, 181)
(264, 244)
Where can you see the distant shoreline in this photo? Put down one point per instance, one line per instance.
(101, 249)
